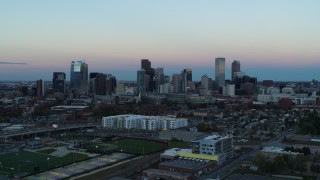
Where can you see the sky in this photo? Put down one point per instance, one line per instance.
(272, 39)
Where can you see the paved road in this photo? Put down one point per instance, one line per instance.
(251, 177)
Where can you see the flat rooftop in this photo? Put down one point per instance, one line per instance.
(187, 163)
(167, 173)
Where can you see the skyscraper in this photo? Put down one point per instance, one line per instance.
(149, 72)
(206, 83)
(79, 76)
(186, 80)
(175, 82)
(93, 75)
(100, 84)
(111, 84)
(145, 64)
(220, 71)
(235, 67)
(92, 78)
(158, 78)
(141, 81)
(58, 82)
(39, 88)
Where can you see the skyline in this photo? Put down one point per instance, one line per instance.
(275, 40)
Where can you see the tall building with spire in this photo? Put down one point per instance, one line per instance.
(79, 76)
(235, 67)
(220, 71)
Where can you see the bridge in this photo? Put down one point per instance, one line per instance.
(21, 133)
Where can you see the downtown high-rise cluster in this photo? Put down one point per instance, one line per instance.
(150, 80)
(81, 82)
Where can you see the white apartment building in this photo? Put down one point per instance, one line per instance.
(176, 123)
(143, 122)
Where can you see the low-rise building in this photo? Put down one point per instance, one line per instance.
(196, 167)
(34, 144)
(154, 174)
(172, 154)
(273, 151)
(221, 146)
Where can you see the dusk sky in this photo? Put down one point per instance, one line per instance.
(273, 39)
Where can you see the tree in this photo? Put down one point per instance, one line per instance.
(315, 168)
(290, 162)
(269, 167)
(312, 116)
(279, 163)
(215, 127)
(202, 127)
(301, 163)
(289, 148)
(308, 128)
(221, 105)
(42, 111)
(306, 151)
(260, 161)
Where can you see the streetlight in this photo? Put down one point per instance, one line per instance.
(96, 149)
(48, 163)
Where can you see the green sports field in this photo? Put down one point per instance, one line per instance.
(138, 146)
(26, 162)
(130, 146)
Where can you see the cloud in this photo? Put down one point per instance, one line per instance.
(13, 63)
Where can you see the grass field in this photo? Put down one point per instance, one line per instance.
(25, 162)
(178, 144)
(101, 147)
(47, 151)
(137, 146)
